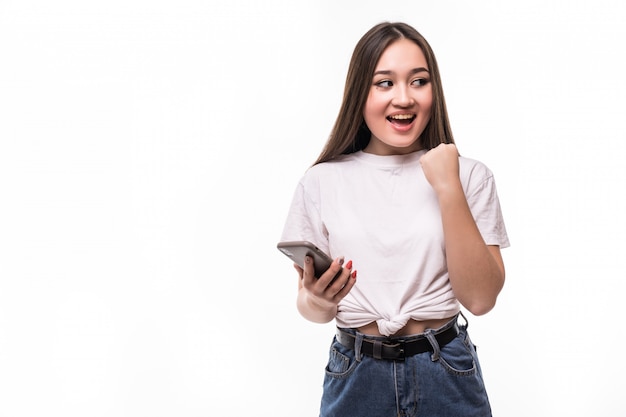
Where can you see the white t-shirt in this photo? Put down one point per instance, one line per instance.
(381, 213)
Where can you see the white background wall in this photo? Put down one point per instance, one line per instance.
(148, 152)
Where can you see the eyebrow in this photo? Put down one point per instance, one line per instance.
(413, 71)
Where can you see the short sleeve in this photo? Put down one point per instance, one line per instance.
(304, 220)
(485, 207)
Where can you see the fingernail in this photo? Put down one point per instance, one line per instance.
(340, 260)
(307, 259)
(354, 274)
(349, 265)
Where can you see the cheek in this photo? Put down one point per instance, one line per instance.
(372, 110)
(426, 99)
(426, 105)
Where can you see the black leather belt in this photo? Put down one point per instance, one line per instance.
(391, 349)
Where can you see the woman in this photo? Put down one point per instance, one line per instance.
(422, 224)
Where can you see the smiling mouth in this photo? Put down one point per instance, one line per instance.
(401, 119)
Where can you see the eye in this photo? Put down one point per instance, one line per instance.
(419, 82)
(384, 84)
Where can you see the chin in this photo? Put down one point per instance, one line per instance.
(405, 145)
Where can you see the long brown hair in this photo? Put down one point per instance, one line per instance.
(350, 133)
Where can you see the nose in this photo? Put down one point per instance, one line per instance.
(403, 97)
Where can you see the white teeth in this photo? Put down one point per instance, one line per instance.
(401, 116)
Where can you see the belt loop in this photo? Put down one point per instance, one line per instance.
(377, 351)
(357, 346)
(466, 325)
(433, 342)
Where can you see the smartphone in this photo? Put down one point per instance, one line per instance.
(297, 250)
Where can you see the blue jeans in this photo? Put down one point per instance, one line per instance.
(445, 382)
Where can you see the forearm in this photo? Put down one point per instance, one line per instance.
(318, 297)
(476, 271)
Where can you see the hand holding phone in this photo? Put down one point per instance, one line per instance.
(297, 250)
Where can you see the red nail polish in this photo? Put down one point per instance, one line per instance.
(353, 274)
(349, 265)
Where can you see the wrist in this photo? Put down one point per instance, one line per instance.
(314, 309)
(449, 190)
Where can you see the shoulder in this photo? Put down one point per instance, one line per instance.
(473, 168)
(328, 169)
(476, 176)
